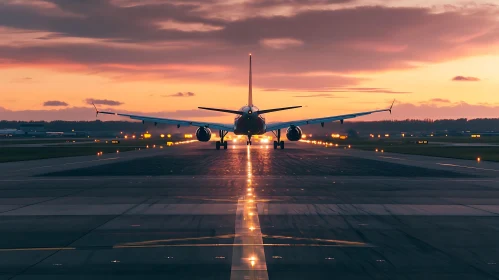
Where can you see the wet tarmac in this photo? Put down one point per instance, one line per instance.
(306, 212)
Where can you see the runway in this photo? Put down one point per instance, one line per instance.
(306, 212)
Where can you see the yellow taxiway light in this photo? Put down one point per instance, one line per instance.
(187, 136)
(147, 135)
(169, 136)
(162, 136)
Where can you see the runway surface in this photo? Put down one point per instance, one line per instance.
(306, 212)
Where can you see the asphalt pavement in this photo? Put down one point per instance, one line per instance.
(305, 212)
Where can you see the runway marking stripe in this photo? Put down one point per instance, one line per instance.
(392, 158)
(469, 167)
(63, 164)
(244, 209)
(248, 253)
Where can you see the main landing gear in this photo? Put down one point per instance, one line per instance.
(249, 140)
(221, 143)
(278, 143)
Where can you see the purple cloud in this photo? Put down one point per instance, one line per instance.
(181, 94)
(107, 102)
(465, 79)
(88, 114)
(55, 103)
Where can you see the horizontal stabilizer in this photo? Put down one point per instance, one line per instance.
(277, 109)
(222, 110)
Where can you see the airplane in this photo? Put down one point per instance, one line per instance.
(249, 121)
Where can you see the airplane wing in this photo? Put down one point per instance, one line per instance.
(280, 125)
(178, 123)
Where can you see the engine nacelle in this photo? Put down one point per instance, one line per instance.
(293, 133)
(203, 134)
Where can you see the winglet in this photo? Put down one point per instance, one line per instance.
(391, 106)
(96, 111)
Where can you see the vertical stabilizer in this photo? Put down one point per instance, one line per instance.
(250, 93)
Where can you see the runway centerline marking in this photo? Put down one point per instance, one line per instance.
(248, 253)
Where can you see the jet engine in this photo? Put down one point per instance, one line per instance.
(293, 133)
(203, 134)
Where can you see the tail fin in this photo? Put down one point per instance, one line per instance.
(250, 93)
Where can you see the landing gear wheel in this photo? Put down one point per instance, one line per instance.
(275, 145)
(217, 145)
(282, 145)
(248, 142)
(225, 145)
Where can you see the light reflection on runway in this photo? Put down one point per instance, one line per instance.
(248, 255)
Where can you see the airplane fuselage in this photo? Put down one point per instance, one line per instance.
(250, 122)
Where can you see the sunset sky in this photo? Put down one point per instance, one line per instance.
(437, 58)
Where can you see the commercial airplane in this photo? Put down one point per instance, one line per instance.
(249, 121)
